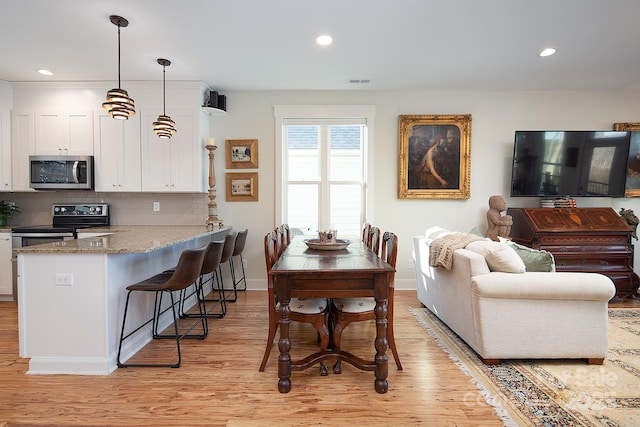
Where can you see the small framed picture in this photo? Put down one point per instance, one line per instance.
(242, 187)
(632, 188)
(242, 153)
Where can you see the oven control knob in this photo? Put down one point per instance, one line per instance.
(63, 209)
(56, 209)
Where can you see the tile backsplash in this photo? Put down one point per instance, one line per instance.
(126, 208)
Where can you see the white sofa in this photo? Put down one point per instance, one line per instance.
(531, 315)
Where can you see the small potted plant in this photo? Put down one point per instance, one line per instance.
(6, 210)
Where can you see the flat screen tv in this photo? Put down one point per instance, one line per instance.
(570, 163)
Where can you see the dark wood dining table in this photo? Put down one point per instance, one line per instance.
(346, 273)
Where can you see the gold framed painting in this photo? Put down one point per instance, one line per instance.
(241, 153)
(242, 187)
(632, 186)
(434, 156)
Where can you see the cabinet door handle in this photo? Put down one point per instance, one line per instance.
(562, 263)
(604, 263)
(583, 261)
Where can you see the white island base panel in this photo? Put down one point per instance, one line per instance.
(71, 305)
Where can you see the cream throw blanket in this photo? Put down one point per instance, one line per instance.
(441, 249)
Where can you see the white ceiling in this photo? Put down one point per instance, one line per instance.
(269, 44)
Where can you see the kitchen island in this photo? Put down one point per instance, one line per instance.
(71, 294)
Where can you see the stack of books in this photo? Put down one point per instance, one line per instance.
(547, 203)
(560, 202)
(565, 203)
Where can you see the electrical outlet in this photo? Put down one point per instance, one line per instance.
(412, 263)
(64, 279)
(156, 206)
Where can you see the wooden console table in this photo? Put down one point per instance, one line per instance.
(592, 240)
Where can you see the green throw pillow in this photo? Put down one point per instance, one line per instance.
(476, 232)
(534, 260)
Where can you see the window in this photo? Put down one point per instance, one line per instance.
(322, 160)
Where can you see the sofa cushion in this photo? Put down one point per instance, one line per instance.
(534, 260)
(499, 256)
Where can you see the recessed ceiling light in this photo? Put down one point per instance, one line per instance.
(324, 40)
(547, 52)
(45, 72)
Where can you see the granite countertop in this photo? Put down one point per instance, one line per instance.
(5, 229)
(128, 239)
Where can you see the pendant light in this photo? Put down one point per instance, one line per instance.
(164, 127)
(119, 105)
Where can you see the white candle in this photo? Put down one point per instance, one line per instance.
(211, 141)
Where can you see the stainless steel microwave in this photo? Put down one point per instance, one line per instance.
(61, 172)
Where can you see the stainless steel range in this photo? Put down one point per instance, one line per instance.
(67, 219)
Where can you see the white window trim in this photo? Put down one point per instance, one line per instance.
(283, 112)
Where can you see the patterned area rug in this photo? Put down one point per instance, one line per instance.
(556, 392)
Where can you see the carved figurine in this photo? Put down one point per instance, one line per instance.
(631, 219)
(499, 222)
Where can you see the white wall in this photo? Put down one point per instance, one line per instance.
(496, 115)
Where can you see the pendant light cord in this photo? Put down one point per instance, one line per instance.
(164, 92)
(119, 56)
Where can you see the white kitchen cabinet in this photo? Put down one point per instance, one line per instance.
(23, 145)
(64, 133)
(5, 151)
(117, 154)
(176, 164)
(6, 270)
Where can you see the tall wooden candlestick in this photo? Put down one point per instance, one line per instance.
(212, 221)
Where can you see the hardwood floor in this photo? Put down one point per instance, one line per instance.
(219, 384)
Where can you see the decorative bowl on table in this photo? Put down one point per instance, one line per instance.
(339, 244)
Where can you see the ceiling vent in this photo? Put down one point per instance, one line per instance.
(360, 81)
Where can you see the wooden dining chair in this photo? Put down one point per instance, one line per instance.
(284, 237)
(347, 310)
(308, 310)
(365, 233)
(373, 241)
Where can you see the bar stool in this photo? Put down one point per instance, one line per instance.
(212, 257)
(227, 251)
(186, 273)
(241, 240)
